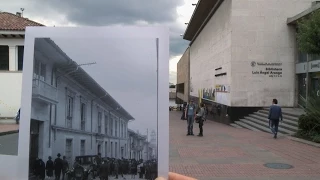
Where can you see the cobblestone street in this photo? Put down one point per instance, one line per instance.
(227, 153)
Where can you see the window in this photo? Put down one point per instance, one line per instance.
(106, 123)
(116, 150)
(39, 70)
(4, 58)
(111, 126)
(69, 150)
(20, 57)
(69, 111)
(125, 150)
(83, 148)
(99, 121)
(83, 116)
(116, 128)
(112, 149)
(106, 149)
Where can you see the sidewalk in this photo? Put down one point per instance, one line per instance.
(227, 153)
(8, 127)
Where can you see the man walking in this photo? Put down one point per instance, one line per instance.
(275, 115)
(190, 115)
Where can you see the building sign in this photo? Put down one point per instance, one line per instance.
(273, 70)
(314, 66)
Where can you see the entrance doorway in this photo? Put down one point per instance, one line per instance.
(99, 148)
(33, 143)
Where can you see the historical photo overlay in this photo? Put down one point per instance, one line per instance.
(94, 109)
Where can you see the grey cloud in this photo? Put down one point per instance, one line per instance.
(110, 12)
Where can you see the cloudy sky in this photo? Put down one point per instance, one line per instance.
(118, 70)
(171, 13)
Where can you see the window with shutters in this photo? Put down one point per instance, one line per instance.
(99, 122)
(83, 116)
(69, 111)
(106, 123)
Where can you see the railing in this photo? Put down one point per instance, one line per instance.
(44, 90)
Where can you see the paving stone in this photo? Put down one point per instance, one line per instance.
(237, 154)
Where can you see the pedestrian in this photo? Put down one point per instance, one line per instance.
(58, 165)
(190, 115)
(104, 170)
(65, 166)
(42, 170)
(183, 111)
(49, 167)
(200, 119)
(275, 115)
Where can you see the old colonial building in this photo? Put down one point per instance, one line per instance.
(71, 113)
(139, 146)
(12, 30)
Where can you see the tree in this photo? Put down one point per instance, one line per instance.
(308, 35)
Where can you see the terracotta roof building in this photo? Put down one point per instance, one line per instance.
(14, 22)
(12, 32)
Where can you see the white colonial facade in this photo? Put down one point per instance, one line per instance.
(71, 114)
(11, 52)
(138, 148)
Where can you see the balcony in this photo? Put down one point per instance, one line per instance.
(44, 92)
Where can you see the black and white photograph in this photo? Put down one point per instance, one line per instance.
(94, 108)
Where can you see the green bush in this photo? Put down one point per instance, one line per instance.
(309, 123)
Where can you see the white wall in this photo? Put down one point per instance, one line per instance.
(260, 34)
(10, 91)
(211, 50)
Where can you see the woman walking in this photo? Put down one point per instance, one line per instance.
(200, 119)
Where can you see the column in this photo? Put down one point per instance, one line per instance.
(13, 61)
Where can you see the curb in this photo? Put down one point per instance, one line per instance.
(304, 141)
(9, 132)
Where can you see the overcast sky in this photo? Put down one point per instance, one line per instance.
(118, 70)
(172, 13)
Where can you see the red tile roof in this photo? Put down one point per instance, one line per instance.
(12, 22)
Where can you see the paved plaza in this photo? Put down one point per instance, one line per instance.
(227, 153)
(9, 137)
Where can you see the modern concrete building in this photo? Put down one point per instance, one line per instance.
(243, 54)
(183, 73)
(71, 113)
(12, 29)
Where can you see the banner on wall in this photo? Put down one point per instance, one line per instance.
(208, 94)
(222, 88)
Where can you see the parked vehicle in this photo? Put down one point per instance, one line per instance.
(17, 117)
(83, 170)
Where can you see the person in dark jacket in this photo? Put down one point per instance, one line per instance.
(42, 170)
(275, 115)
(58, 166)
(49, 167)
(65, 166)
(105, 170)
